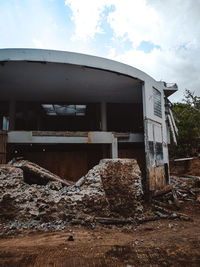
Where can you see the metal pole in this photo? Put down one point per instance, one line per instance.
(114, 149)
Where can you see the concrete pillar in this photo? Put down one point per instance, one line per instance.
(12, 112)
(103, 117)
(114, 149)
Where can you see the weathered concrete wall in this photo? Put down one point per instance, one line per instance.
(155, 135)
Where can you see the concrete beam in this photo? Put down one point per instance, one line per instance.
(114, 149)
(27, 137)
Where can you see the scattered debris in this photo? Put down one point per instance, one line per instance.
(70, 238)
(163, 191)
(114, 221)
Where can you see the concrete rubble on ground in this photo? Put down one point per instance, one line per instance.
(180, 190)
(111, 189)
(110, 193)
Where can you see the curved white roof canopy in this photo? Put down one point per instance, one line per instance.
(57, 76)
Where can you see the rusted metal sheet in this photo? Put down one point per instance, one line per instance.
(3, 143)
(156, 178)
(89, 138)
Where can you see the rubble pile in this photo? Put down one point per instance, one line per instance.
(167, 204)
(123, 188)
(187, 188)
(182, 189)
(112, 188)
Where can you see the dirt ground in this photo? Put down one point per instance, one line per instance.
(188, 167)
(158, 243)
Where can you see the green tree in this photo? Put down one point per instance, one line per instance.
(187, 116)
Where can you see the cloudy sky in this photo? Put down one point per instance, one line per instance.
(160, 37)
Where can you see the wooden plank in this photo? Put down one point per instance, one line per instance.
(163, 191)
(3, 144)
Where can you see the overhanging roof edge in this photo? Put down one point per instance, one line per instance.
(54, 56)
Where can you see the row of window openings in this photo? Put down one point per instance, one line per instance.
(64, 110)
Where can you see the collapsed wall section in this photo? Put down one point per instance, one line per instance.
(112, 188)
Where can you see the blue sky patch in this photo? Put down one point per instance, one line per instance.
(147, 47)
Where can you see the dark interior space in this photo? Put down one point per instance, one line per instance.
(71, 98)
(73, 161)
(126, 117)
(70, 162)
(4, 111)
(33, 179)
(35, 116)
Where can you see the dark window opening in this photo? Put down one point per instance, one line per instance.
(157, 103)
(151, 149)
(166, 173)
(159, 151)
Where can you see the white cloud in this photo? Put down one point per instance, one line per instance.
(35, 24)
(171, 66)
(87, 17)
(165, 23)
(135, 20)
(173, 25)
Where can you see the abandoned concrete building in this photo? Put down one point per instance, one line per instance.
(66, 111)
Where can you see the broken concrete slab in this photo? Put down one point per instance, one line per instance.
(38, 174)
(111, 189)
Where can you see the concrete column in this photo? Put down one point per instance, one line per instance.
(12, 112)
(114, 149)
(103, 117)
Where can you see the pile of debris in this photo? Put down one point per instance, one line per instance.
(187, 188)
(110, 193)
(168, 201)
(33, 198)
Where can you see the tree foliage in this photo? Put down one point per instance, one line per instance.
(187, 116)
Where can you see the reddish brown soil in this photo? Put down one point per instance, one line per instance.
(190, 167)
(158, 243)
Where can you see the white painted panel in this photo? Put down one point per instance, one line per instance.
(158, 133)
(150, 131)
(100, 137)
